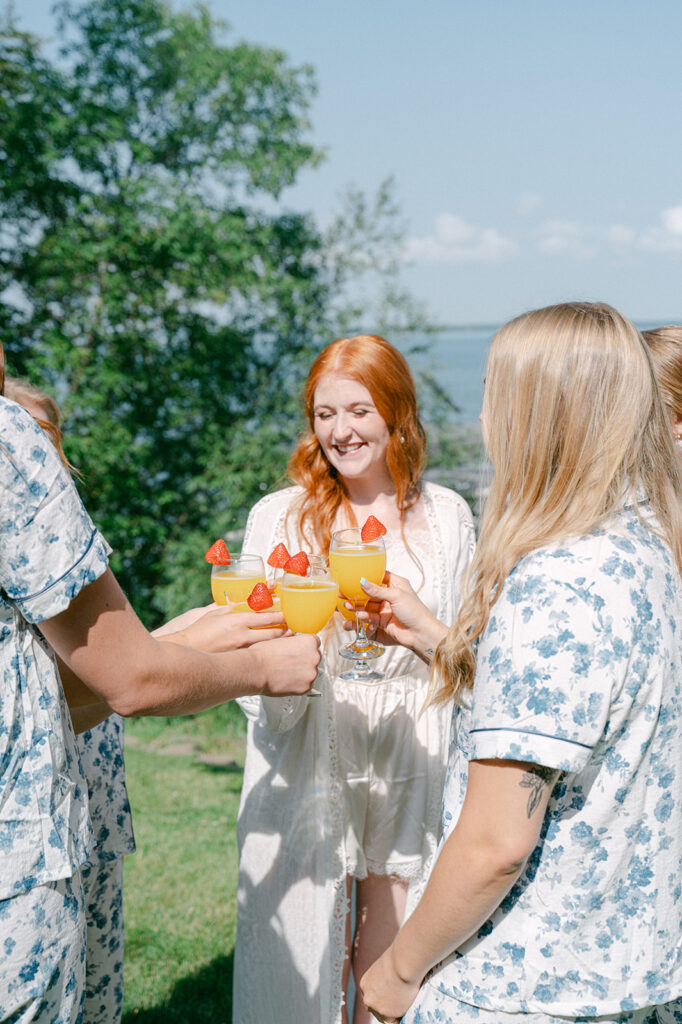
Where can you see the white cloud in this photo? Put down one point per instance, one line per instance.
(565, 236)
(457, 241)
(666, 237)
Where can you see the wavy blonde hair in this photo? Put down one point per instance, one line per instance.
(381, 368)
(665, 345)
(575, 425)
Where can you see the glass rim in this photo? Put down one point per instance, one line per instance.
(241, 556)
(357, 531)
(296, 582)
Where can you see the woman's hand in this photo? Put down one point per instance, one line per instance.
(214, 628)
(400, 617)
(385, 994)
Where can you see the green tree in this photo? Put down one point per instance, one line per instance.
(150, 287)
(153, 280)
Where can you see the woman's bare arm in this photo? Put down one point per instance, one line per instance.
(104, 645)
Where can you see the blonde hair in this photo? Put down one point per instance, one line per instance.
(575, 426)
(665, 345)
(27, 394)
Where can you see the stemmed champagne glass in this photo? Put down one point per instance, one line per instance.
(308, 602)
(351, 559)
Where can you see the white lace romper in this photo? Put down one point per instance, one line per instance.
(345, 783)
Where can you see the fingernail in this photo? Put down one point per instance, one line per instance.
(363, 581)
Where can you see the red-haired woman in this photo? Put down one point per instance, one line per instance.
(341, 796)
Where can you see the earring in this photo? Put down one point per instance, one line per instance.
(402, 439)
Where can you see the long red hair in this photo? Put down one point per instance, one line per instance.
(376, 364)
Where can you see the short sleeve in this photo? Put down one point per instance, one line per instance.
(49, 547)
(544, 676)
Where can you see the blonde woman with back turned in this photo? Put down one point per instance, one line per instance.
(665, 345)
(556, 894)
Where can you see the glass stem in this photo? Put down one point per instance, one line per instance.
(361, 638)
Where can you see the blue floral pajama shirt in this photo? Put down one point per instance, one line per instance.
(580, 669)
(49, 551)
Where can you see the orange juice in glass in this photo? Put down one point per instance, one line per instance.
(351, 559)
(308, 602)
(234, 582)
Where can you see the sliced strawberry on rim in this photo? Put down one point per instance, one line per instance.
(260, 598)
(218, 554)
(298, 564)
(372, 529)
(278, 557)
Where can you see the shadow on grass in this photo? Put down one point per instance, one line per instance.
(201, 998)
(215, 766)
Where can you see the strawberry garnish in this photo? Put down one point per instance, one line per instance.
(278, 557)
(260, 598)
(372, 529)
(218, 554)
(298, 564)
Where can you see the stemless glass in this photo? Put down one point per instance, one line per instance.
(351, 558)
(308, 602)
(234, 582)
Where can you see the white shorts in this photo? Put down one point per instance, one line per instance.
(384, 760)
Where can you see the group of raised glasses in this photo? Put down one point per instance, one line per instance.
(485, 824)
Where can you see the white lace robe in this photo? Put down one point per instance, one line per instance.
(292, 902)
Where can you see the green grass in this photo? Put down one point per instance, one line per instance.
(180, 886)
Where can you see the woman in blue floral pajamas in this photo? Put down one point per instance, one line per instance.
(557, 894)
(101, 753)
(54, 573)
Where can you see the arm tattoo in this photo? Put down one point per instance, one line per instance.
(535, 779)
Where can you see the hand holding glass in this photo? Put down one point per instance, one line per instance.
(351, 559)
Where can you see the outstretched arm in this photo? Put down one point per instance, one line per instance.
(104, 644)
(497, 830)
(210, 629)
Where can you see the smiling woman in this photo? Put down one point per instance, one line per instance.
(352, 434)
(341, 800)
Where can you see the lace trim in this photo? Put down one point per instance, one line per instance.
(341, 904)
(439, 545)
(409, 871)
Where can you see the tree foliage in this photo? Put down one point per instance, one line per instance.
(152, 280)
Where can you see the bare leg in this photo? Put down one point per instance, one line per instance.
(381, 908)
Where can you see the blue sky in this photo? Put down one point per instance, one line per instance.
(535, 144)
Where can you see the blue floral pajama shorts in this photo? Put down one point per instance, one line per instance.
(103, 887)
(42, 954)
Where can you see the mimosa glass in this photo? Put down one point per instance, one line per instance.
(308, 602)
(234, 582)
(351, 558)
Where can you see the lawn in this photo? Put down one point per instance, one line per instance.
(184, 778)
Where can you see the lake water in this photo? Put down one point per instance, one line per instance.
(456, 357)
